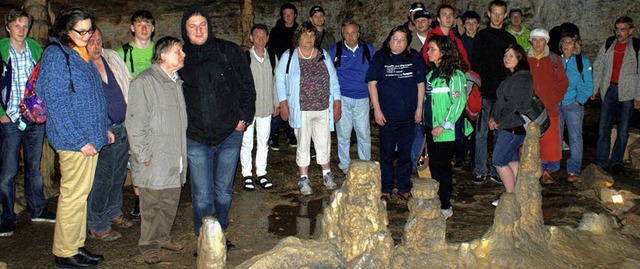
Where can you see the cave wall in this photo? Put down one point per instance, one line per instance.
(595, 18)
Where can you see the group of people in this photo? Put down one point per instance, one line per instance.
(108, 108)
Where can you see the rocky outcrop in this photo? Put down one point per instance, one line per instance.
(292, 252)
(212, 248)
(354, 231)
(356, 220)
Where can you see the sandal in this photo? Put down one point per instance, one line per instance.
(248, 184)
(385, 197)
(264, 182)
(405, 195)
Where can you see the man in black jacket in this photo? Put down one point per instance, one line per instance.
(220, 98)
(486, 60)
(279, 42)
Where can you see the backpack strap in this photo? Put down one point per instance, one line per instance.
(66, 56)
(365, 52)
(320, 51)
(289, 59)
(337, 60)
(272, 61)
(580, 65)
(609, 42)
(554, 61)
(128, 49)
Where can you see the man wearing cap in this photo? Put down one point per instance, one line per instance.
(486, 60)
(325, 39)
(615, 77)
(550, 83)
(422, 21)
(415, 7)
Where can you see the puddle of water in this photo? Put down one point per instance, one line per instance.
(298, 219)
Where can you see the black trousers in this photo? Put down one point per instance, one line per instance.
(440, 154)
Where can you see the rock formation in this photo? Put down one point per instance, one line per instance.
(356, 220)
(354, 233)
(212, 248)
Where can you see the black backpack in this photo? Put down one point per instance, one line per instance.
(366, 54)
(272, 60)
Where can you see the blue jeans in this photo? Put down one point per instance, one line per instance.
(482, 132)
(276, 122)
(391, 134)
(105, 200)
(212, 169)
(355, 115)
(507, 152)
(572, 116)
(31, 139)
(611, 108)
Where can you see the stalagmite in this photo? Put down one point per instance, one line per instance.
(212, 248)
(356, 220)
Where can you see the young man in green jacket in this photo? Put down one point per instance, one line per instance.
(19, 56)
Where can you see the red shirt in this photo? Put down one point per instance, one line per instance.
(618, 54)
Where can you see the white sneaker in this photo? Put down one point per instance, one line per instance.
(495, 202)
(328, 181)
(305, 188)
(447, 213)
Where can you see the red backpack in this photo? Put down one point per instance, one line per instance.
(474, 100)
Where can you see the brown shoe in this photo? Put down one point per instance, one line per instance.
(121, 222)
(108, 235)
(172, 246)
(547, 178)
(573, 178)
(152, 258)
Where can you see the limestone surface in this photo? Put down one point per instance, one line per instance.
(212, 248)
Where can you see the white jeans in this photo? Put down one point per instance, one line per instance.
(315, 124)
(262, 127)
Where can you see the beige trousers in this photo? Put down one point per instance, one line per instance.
(71, 218)
(158, 210)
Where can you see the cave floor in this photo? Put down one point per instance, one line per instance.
(260, 218)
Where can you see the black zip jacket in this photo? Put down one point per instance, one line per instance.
(218, 86)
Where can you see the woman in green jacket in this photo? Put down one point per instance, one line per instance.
(445, 100)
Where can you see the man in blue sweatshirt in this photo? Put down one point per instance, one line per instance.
(351, 58)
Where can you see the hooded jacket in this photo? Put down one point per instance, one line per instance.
(218, 85)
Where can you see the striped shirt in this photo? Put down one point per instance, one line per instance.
(21, 66)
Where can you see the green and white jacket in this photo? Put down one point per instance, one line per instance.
(448, 101)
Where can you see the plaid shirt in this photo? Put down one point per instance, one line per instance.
(22, 64)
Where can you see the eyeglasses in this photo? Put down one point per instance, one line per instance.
(83, 33)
